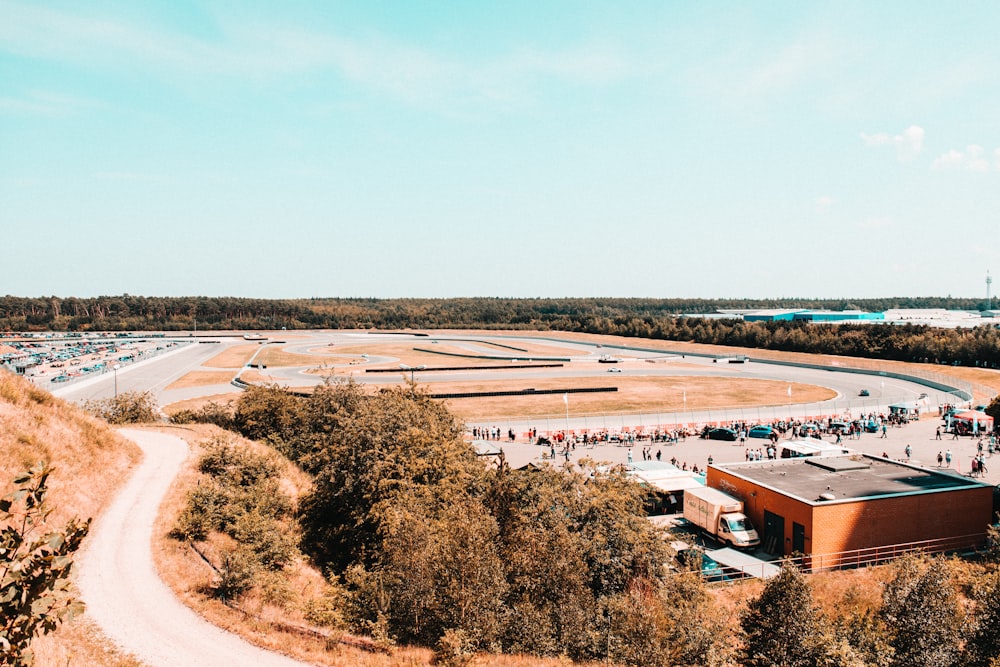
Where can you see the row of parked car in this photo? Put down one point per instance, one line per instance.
(731, 435)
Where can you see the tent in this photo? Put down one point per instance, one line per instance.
(975, 421)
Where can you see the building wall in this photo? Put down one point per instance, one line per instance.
(756, 499)
(845, 526)
(910, 518)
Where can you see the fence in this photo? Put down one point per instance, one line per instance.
(959, 392)
(845, 560)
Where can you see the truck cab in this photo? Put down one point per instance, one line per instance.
(736, 529)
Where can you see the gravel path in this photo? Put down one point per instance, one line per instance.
(122, 591)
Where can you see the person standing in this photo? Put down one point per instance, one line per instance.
(937, 433)
(940, 459)
(909, 452)
(947, 457)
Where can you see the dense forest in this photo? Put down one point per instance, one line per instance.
(663, 319)
(425, 544)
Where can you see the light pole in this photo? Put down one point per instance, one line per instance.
(412, 370)
(115, 369)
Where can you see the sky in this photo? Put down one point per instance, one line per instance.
(499, 149)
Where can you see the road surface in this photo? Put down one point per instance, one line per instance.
(126, 597)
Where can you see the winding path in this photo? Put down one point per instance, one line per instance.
(126, 597)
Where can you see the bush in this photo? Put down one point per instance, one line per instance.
(131, 407)
(454, 649)
(236, 576)
(210, 413)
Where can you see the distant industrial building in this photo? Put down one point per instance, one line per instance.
(830, 507)
(838, 316)
(936, 317)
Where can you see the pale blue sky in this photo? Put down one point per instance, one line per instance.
(514, 149)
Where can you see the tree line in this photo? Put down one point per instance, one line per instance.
(661, 319)
(140, 313)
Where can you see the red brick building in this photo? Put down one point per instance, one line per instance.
(824, 506)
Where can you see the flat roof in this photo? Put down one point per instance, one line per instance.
(845, 478)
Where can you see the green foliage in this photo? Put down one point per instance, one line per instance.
(432, 544)
(993, 409)
(270, 413)
(782, 626)
(236, 574)
(921, 611)
(130, 407)
(454, 649)
(240, 497)
(983, 645)
(35, 594)
(390, 443)
(210, 413)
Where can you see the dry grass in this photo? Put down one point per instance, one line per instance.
(635, 394)
(275, 356)
(233, 357)
(201, 379)
(90, 462)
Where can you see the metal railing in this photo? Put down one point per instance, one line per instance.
(852, 559)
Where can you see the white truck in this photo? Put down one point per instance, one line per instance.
(719, 515)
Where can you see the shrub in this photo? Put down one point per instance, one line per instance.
(236, 576)
(210, 413)
(454, 649)
(131, 407)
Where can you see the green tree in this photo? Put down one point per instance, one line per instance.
(921, 610)
(387, 444)
(982, 647)
(35, 594)
(993, 409)
(782, 627)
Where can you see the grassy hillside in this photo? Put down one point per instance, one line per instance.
(90, 462)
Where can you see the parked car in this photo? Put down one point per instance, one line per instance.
(760, 432)
(722, 434)
(839, 427)
(864, 392)
(614, 370)
(695, 559)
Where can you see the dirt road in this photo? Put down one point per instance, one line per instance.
(122, 591)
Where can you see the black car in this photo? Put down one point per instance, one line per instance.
(722, 434)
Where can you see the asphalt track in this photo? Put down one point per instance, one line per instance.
(157, 374)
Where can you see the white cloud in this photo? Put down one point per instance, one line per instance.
(255, 51)
(824, 203)
(973, 158)
(909, 143)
